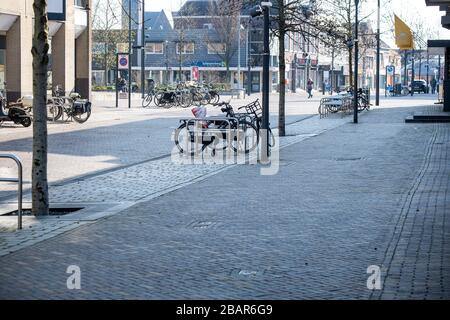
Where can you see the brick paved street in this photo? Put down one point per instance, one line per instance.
(346, 197)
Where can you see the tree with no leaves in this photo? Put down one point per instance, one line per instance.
(223, 39)
(106, 24)
(40, 202)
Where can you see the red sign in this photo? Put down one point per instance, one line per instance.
(194, 73)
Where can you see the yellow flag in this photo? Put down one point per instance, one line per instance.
(403, 35)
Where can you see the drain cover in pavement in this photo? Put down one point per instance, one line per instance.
(348, 159)
(247, 273)
(203, 224)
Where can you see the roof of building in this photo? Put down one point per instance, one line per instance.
(156, 20)
(195, 8)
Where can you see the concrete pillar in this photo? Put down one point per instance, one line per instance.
(63, 53)
(83, 47)
(19, 76)
(447, 81)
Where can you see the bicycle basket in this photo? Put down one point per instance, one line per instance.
(254, 108)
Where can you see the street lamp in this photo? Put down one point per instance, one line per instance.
(166, 46)
(377, 81)
(264, 9)
(355, 89)
(412, 72)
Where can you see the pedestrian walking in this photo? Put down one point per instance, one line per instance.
(309, 88)
(433, 85)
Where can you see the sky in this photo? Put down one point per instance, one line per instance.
(158, 5)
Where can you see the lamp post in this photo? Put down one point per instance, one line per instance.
(129, 54)
(377, 81)
(264, 9)
(355, 80)
(239, 53)
(249, 78)
(266, 81)
(412, 72)
(143, 50)
(166, 47)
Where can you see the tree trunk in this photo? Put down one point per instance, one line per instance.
(282, 71)
(350, 66)
(40, 203)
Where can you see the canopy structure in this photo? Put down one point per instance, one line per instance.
(444, 5)
(442, 47)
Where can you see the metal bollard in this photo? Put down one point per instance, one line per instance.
(19, 181)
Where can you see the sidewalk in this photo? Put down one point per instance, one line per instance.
(346, 197)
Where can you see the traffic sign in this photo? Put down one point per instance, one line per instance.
(122, 61)
(390, 70)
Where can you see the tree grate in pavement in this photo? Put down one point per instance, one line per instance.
(52, 211)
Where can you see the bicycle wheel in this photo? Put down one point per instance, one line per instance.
(214, 98)
(54, 111)
(219, 141)
(147, 100)
(159, 99)
(247, 138)
(196, 99)
(184, 138)
(79, 117)
(271, 139)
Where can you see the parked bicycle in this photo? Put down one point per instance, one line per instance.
(254, 110)
(150, 94)
(218, 133)
(72, 106)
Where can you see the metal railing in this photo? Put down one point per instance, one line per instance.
(19, 181)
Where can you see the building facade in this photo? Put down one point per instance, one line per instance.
(70, 46)
(188, 40)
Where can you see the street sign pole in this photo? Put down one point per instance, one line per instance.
(117, 80)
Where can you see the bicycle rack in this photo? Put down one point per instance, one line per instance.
(199, 130)
(19, 185)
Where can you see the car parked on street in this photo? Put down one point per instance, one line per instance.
(419, 86)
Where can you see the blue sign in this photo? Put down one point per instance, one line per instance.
(123, 61)
(390, 70)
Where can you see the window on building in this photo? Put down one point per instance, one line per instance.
(256, 48)
(216, 48)
(154, 48)
(98, 47)
(185, 48)
(256, 35)
(80, 3)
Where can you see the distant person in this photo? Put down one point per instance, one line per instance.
(441, 81)
(309, 88)
(433, 84)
